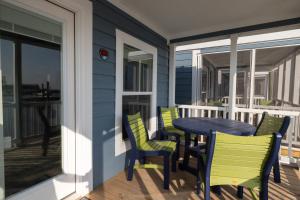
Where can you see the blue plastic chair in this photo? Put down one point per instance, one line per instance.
(142, 147)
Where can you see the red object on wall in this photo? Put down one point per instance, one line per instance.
(103, 53)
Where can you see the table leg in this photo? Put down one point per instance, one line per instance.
(186, 156)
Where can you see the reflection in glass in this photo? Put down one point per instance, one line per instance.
(137, 103)
(137, 70)
(8, 91)
(31, 84)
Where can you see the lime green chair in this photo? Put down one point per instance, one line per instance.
(238, 160)
(269, 125)
(142, 147)
(166, 128)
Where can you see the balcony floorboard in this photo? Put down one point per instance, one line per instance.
(147, 184)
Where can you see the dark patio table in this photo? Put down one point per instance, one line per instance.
(203, 126)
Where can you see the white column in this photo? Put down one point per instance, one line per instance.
(195, 82)
(233, 73)
(199, 80)
(252, 77)
(172, 74)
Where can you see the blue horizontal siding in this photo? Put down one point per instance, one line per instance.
(106, 18)
(183, 89)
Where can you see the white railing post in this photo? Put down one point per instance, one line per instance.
(172, 74)
(233, 72)
(290, 132)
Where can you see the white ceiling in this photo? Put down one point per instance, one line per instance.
(179, 18)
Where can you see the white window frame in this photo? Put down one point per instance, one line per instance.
(122, 38)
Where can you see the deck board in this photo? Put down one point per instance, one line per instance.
(148, 185)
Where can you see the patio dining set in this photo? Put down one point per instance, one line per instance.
(235, 153)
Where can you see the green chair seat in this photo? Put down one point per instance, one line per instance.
(158, 145)
(172, 129)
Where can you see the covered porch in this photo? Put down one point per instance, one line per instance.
(228, 79)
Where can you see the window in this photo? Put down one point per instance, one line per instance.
(135, 85)
(137, 78)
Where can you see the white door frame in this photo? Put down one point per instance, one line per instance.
(122, 38)
(83, 12)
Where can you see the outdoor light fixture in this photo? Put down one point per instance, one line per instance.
(103, 53)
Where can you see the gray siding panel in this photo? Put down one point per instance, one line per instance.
(183, 89)
(105, 21)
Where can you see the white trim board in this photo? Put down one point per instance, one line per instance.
(122, 38)
(83, 11)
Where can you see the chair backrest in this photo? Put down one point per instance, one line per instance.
(240, 160)
(136, 130)
(167, 115)
(270, 124)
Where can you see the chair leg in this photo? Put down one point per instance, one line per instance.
(174, 158)
(276, 171)
(207, 192)
(198, 178)
(263, 193)
(240, 192)
(196, 140)
(166, 171)
(131, 166)
(177, 147)
(143, 160)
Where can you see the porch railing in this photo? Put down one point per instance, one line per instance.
(239, 100)
(252, 116)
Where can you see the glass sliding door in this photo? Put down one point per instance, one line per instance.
(37, 77)
(31, 88)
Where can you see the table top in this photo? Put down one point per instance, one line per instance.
(203, 126)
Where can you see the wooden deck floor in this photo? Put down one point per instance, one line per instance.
(147, 184)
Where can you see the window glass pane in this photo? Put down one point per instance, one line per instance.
(31, 65)
(31, 113)
(137, 70)
(20, 21)
(146, 75)
(137, 103)
(7, 58)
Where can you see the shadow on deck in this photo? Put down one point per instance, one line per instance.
(148, 184)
